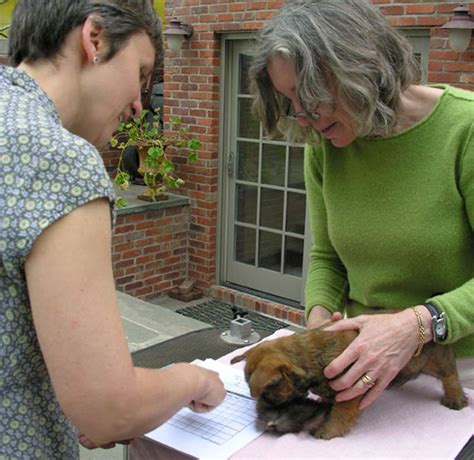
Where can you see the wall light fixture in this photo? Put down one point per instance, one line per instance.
(460, 28)
(176, 33)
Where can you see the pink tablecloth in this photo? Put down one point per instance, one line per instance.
(406, 423)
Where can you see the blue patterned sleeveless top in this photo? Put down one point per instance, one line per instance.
(45, 173)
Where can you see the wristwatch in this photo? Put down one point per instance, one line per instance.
(438, 323)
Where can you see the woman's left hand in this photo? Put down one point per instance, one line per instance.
(385, 344)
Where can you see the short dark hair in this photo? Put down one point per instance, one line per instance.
(39, 27)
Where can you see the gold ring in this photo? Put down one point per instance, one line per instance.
(367, 380)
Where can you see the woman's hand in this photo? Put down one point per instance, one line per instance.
(214, 394)
(385, 344)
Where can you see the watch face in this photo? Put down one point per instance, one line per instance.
(440, 328)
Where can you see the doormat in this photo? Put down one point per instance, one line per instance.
(220, 314)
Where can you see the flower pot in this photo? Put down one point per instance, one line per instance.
(146, 196)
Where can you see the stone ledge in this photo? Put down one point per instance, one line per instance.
(134, 205)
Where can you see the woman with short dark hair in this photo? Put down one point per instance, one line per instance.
(65, 367)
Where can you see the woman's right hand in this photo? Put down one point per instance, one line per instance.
(214, 394)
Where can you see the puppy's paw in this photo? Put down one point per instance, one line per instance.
(329, 431)
(457, 403)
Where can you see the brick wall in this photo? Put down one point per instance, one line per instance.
(150, 251)
(445, 65)
(192, 91)
(111, 159)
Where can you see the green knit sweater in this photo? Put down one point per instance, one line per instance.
(392, 220)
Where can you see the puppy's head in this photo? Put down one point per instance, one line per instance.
(272, 377)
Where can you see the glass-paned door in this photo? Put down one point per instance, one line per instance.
(266, 201)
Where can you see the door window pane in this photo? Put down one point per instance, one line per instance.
(244, 65)
(295, 213)
(269, 252)
(245, 239)
(276, 136)
(273, 164)
(271, 208)
(296, 168)
(246, 204)
(247, 161)
(293, 256)
(248, 126)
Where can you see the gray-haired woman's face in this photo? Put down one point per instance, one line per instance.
(332, 121)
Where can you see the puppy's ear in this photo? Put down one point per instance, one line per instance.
(297, 376)
(237, 359)
(287, 384)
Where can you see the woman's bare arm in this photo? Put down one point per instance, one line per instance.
(77, 320)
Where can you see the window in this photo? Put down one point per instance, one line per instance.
(420, 40)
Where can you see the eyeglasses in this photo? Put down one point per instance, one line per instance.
(302, 116)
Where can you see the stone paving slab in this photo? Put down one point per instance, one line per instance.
(147, 324)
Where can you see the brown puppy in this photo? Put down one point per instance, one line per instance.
(281, 370)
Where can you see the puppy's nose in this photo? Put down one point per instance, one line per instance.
(254, 393)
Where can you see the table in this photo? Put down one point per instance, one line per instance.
(407, 422)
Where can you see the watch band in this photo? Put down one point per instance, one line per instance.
(438, 322)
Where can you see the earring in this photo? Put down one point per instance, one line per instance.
(95, 60)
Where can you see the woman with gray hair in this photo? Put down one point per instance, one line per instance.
(65, 367)
(389, 170)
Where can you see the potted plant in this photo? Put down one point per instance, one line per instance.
(145, 134)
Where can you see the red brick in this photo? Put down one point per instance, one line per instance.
(459, 66)
(435, 66)
(131, 254)
(124, 229)
(124, 280)
(237, 7)
(431, 21)
(420, 9)
(134, 285)
(442, 77)
(448, 55)
(143, 292)
(392, 10)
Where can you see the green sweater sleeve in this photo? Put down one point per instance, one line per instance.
(458, 304)
(326, 283)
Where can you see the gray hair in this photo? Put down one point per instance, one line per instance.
(39, 27)
(341, 46)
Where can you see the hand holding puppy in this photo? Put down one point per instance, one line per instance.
(384, 345)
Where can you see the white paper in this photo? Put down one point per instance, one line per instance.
(219, 433)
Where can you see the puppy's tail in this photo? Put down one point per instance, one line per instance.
(237, 359)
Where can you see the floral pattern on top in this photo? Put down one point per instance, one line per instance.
(45, 173)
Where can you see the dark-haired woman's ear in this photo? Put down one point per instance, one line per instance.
(92, 40)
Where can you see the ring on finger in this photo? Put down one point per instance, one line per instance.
(367, 380)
